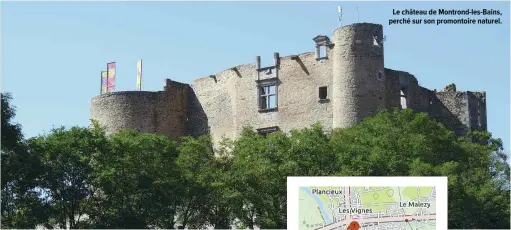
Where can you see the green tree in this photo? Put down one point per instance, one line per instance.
(250, 165)
(130, 180)
(22, 206)
(395, 143)
(204, 189)
(138, 182)
(261, 165)
(66, 156)
(214, 209)
(404, 143)
(256, 180)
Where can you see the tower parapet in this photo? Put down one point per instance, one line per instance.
(162, 112)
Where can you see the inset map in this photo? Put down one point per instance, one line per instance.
(364, 208)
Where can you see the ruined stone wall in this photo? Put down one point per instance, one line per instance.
(422, 99)
(392, 89)
(230, 99)
(197, 120)
(358, 73)
(171, 109)
(213, 107)
(459, 111)
(451, 109)
(409, 84)
(161, 112)
(477, 110)
(418, 98)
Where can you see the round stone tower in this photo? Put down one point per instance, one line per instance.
(162, 112)
(125, 110)
(358, 73)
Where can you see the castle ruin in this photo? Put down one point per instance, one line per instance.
(342, 82)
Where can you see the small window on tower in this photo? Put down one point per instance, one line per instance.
(323, 93)
(380, 75)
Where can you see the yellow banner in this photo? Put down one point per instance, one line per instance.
(111, 73)
(104, 82)
(139, 75)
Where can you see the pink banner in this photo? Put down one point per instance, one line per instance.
(111, 76)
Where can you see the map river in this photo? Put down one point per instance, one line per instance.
(320, 204)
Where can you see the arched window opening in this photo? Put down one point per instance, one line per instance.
(404, 99)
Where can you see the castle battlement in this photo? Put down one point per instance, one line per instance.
(340, 83)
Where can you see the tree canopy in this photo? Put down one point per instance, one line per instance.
(82, 178)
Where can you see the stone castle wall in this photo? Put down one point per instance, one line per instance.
(353, 73)
(477, 111)
(231, 99)
(460, 111)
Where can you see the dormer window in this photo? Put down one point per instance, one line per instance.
(322, 52)
(322, 45)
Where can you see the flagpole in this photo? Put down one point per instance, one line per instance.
(358, 16)
(101, 84)
(139, 74)
(141, 64)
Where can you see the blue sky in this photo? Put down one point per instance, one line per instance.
(53, 53)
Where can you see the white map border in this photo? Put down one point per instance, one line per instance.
(294, 183)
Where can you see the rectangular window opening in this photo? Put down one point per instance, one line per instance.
(380, 75)
(323, 93)
(264, 101)
(322, 52)
(268, 97)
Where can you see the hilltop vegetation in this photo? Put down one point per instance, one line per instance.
(131, 180)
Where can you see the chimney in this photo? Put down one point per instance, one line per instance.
(276, 57)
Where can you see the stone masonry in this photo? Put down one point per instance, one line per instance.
(338, 85)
